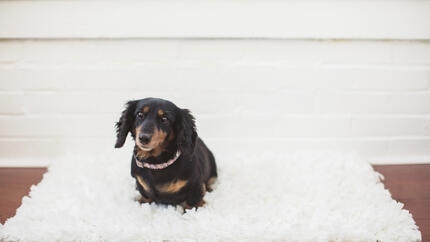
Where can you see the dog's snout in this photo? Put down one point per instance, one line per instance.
(144, 138)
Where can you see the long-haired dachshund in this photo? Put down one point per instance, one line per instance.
(170, 163)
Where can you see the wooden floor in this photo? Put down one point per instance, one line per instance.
(409, 184)
(15, 183)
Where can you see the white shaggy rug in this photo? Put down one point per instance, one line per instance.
(264, 197)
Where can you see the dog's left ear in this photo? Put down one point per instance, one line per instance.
(186, 132)
(125, 123)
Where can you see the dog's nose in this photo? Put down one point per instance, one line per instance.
(144, 138)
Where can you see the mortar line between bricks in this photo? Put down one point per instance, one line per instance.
(289, 39)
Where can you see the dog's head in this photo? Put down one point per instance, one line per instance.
(156, 125)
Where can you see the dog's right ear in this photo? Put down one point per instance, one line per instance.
(125, 123)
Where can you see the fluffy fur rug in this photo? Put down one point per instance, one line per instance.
(264, 197)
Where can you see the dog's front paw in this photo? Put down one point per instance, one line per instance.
(187, 206)
(141, 199)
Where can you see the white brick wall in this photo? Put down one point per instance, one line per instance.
(62, 95)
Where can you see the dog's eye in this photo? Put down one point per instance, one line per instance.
(139, 115)
(164, 120)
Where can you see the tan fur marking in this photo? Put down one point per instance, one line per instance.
(141, 154)
(212, 180)
(158, 137)
(144, 200)
(143, 184)
(160, 112)
(157, 141)
(145, 109)
(201, 203)
(172, 187)
(186, 206)
(209, 184)
(204, 189)
(157, 151)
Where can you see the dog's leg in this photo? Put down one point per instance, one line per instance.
(195, 197)
(144, 190)
(186, 206)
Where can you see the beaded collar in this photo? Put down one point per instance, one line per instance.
(143, 164)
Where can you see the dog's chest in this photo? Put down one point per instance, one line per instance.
(159, 187)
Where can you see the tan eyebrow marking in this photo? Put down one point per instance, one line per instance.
(160, 112)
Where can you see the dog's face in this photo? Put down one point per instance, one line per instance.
(153, 127)
(156, 125)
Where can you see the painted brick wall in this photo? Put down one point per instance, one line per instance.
(60, 95)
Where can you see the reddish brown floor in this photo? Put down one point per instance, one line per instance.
(409, 184)
(15, 183)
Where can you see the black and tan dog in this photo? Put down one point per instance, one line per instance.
(170, 163)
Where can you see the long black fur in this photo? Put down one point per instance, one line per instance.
(196, 164)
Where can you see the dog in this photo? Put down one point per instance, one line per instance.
(170, 163)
